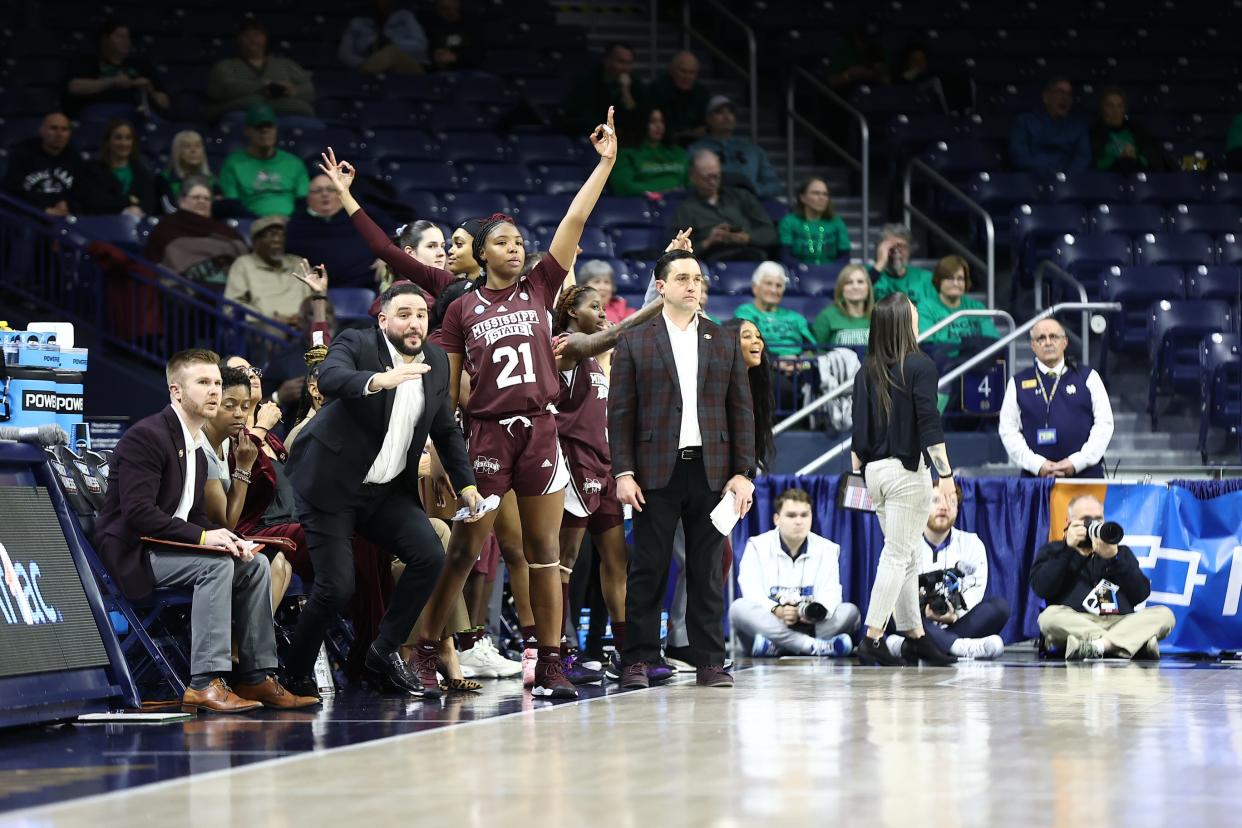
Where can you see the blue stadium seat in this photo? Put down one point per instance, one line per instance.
(539, 209)
(615, 211)
(594, 242)
(1085, 188)
(121, 230)
(1229, 250)
(472, 146)
(1167, 188)
(733, 278)
(1136, 287)
(422, 204)
(458, 207)
(545, 149)
(305, 143)
(463, 118)
(1035, 228)
(1185, 249)
(638, 241)
(1217, 219)
(559, 178)
(1225, 188)
(818, 280)
(1085, 256)
(1001, 192)
(352, 304)
(397, 114)
(482, 87)
(1214, 282)
(421, 175)
(1131, 219)
(1175, 330)
(396, 143)
(890, 100)
(963, 155)
(1220, 386)
(496, 177)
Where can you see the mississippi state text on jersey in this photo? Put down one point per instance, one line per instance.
(582, 408)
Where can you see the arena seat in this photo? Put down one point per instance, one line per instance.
(1220, 389)
(1136, 287)
(1166, 188)
(458, 207)
(495, 177)
(1175, 330)
(1130, 219)
(733, 278)
(1216, 219)
(818, 280)
(1000, 192)
(1185, 249)
(1222, 282)
(1085, 256)
(638, 241)
(1085, 188)
(471, 146)
(539, 209)
(352, 304)
(1034, 229)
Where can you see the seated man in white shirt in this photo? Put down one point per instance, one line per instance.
(952, 583)
(791, 589)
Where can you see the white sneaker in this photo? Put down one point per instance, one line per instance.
(487, 662)
(978, 648)
(529, 656)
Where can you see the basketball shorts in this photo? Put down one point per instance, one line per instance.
(521, 454)
(591, 496)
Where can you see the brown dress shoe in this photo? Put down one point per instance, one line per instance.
(270, 693)
(217, 698)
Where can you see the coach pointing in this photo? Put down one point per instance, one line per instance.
(682, 432)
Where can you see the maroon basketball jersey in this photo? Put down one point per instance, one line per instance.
(582, 409)
(506, 337)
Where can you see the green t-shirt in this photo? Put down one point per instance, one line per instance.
(814, 241)
(1118, 140)
(784, 331)
(125, 175)
(649, 169)
(932, 310)
(265, 186)
(916, 284)
(834, 327)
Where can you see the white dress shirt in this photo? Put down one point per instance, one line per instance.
(686, 358)
(1092, 451)
(193, 444)
(407, 410)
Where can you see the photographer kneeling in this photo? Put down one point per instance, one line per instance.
(1091, 585)
(952, 581)
(791, 588)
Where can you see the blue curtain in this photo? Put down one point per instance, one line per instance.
(1208, 489)
(1010, 515)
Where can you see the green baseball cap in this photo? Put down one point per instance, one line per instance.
(260, 114)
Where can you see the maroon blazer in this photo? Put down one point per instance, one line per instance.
(644, 405)
(145, 481)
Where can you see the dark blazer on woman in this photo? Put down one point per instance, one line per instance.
(101, 192)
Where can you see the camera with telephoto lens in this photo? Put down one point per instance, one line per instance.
(811, 612)
(938, 589)
(1105, 531)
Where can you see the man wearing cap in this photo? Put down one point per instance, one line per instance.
(263, 279)
(743, 162)
(253, 77)
(266, 180)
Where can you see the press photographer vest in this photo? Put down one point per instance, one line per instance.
(1071, 412)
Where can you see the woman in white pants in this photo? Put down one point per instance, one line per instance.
(896, 425)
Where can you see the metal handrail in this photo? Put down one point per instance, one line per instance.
(1004, 341)
(810, 408)
(989, 227)
(1061, 275)
(860, 165)
(749, 73)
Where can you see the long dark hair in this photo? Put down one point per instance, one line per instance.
(891, 340)
(761, 398)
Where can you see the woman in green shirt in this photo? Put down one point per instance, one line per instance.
(812, 232)
(651, 165)
(847, 321)
(186, 157)
(951, 279)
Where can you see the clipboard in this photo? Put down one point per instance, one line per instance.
(215, 550)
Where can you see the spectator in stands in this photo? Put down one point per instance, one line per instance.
(266, 180)
(322, 232)
(847, 321)
(454, 43)
(112, 76)
(858, 58)
(744, 163)
(386, 41)
(1052, 140)
(790, 578)
(812, 232)
(238, 83)
(597, 274)
(118, 181)
(683, 100)
(970, 628)
(951, 280)
(785, 331)
(948, 82)
(191, 242)
(892, 271)
(1092, 589)
(159, 470)
(1056, 419)
(728, 223)
(610, 83)
(186, 157)
(44, 171)
(1120, 145)
(264, 280)
(650, 165)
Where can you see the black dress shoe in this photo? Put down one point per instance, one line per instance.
(874, 653)
(930, 654)
(301, 685)
(390, 672)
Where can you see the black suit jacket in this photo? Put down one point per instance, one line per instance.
(145, 482)
(644, 405)
(337, 448)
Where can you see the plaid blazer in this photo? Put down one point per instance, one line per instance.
(644, 405)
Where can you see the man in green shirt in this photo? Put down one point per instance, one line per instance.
(892, 272)
(785, 332)
(266, 180)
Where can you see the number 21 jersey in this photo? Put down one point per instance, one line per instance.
(506, 338)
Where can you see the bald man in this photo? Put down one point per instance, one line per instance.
(680, 96)
(44, 171)
(1092, 590)
(729, 223)
(1056, 419)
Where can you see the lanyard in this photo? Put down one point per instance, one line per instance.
(1048, 395)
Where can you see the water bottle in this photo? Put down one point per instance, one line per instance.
(10, 350)
(323, 673)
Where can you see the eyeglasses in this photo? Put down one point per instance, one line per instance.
(1047, 339)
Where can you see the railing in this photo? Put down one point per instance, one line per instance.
(1007, 340)
(1061, 275)
(146, 311)
(749, 73)
(832, 394)
(911, 211)
(862, 165)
